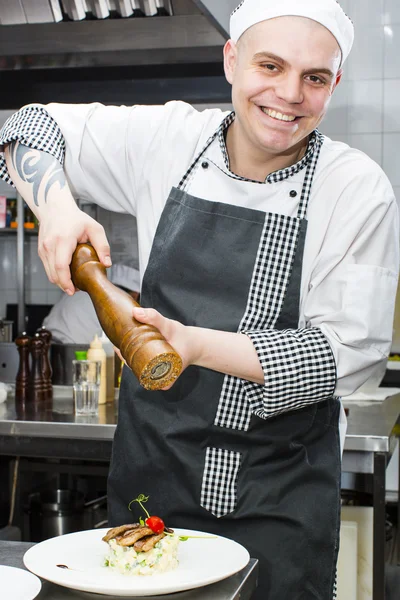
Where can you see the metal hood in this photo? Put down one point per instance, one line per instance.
(218, 12)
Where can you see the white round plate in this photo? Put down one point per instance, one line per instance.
(201, 562)
(18, 584)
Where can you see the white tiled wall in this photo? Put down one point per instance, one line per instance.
(365, 108)
(365, 113)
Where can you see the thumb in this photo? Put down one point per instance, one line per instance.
(139, 313)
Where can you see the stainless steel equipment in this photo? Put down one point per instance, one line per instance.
(6, 331)
(57, 512)
(54, 513)
(9, 362)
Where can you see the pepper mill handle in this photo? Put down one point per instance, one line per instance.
(154, 362)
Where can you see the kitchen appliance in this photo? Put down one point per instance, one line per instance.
(9, 362)
(6, 331)
(57, 512)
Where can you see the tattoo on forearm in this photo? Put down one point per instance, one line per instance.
(37, 168)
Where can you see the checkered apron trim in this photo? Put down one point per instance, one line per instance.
(35, 128)
(271, 275)
(267, 291)
(219, 484)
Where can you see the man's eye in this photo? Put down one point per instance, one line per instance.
(316, 79)
(270, 67)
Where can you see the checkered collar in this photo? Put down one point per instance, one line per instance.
(315, 141)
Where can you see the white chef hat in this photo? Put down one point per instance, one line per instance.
(125, 276)
(327, 12)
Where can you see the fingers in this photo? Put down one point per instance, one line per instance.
(98, 239)
(45, 253)
(56, 257)
(149, 315)
(58, 240)
(118, 353)
(62, 261)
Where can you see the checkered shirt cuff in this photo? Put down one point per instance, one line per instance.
(35, 128)
(299, 369)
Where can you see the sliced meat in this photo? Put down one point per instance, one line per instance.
(116, 531)
(133, 536)
(147, 543)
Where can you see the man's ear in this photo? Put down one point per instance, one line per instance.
(337, 80)
(230, 59)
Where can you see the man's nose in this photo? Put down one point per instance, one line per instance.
(290, 89)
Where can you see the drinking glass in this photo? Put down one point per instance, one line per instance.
(86, 386)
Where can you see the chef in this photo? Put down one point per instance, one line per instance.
(270, 261)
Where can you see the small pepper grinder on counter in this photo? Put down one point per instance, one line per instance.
(36, 384)
(21, 382)
(46, 336)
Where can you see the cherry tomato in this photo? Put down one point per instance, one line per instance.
(155, 524)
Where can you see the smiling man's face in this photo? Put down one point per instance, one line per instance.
(283, 72)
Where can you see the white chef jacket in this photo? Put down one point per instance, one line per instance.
(126, 159)
(73, 320)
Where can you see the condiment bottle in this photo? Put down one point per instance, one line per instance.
(96, 352)
(109, 350)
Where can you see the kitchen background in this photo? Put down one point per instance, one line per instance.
(364, 113)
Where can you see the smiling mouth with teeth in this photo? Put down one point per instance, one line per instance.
(277, 115)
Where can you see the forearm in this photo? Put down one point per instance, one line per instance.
(39, 178)
(41, 181)
(229, 353)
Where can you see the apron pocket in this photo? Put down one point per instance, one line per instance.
(219, 485)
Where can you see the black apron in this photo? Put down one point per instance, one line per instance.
(202, 451)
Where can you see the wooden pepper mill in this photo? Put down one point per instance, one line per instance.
(154, 362)
(45, 335)
(36, 384)
(21, 382)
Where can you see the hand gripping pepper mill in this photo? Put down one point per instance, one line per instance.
(154, 362)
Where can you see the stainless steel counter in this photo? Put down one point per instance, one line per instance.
(57, 419)
(240, 586)
(370, 424)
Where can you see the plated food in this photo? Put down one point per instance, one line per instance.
(203, 560)
(135, 549)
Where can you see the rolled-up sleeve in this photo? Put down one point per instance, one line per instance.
(35, 128)
(346, 321)
(91, 141)
(299, 369)
(113, 154)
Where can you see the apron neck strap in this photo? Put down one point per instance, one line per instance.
(309, 177)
